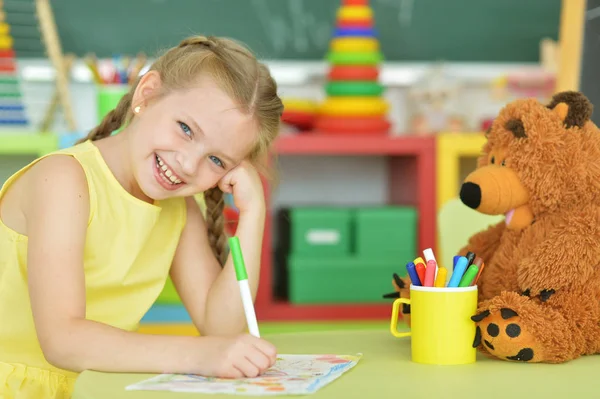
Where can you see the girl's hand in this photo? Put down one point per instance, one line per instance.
(245, 184)
(232, 357)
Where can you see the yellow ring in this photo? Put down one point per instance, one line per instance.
(354, 44)
(6, 42)
(299, 105)
(367, 106)
(355, 12)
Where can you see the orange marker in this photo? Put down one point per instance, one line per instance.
(479, 263)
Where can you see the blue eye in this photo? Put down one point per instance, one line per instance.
(186, 129)
(217, 161)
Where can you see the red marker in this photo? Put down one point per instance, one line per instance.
(430, 273)
(421, 271)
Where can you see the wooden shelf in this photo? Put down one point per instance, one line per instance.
(310, 143)
(411, 182)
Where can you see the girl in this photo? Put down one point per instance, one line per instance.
(89, 235)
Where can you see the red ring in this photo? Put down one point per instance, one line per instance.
(355, 2)
(354, 23)
(302, 120)
(353, 72)
(352, 125)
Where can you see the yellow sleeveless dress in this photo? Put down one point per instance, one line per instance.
(128, 253)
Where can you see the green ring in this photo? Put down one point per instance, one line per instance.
(354, 58)
(356, 88)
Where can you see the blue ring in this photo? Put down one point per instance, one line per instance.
(365, 32)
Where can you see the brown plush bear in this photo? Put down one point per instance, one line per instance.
(539, 292)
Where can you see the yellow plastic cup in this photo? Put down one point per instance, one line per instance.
(442, 331)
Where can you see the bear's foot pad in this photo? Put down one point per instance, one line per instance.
(503, 334)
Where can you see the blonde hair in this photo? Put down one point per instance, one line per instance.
(237, 72)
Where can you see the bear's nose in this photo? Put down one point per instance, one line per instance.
(470, 195)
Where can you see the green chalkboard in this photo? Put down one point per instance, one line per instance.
(409, 30)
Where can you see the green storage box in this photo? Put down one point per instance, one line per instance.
(320, 231)
(388, 232)
(344, 279)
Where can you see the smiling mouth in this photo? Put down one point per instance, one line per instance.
(166, 174)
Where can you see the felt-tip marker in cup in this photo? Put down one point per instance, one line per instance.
(480, 264)
(459, 270)
(428, 253)
(469, 276)
(454, 260)
(242, 278)
(430, 273)
(470, 257)
(420, 267)
(412, 273)
(440, 280)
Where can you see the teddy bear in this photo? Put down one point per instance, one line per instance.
(539, 291)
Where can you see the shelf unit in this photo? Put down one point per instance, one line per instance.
(411, 182)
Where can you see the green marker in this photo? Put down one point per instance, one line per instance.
(242, 278)
(468, 277)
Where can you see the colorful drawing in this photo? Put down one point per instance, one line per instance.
(291, 375)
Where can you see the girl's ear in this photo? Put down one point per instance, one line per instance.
(148, 86)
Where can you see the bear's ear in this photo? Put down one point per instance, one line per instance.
(572, 107)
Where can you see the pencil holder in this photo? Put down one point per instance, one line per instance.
(109, 97)
(442, 331)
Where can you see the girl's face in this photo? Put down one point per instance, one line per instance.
(185, 142)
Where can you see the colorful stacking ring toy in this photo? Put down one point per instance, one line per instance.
(353, 72)
(355, 58)
(356, 88)
(354, 44)
(355, 12)
(354, 106)
(353, 32)
(352, 125)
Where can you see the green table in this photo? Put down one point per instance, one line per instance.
(386, 371)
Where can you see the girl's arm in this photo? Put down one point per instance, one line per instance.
(56, 208)
(210, 292)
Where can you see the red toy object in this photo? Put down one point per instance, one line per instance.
(354, 103)
(355, 2)
(352, 125)
(353, 72)
(302, 120)
(355, 23)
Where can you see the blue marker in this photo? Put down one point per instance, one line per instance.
(412, 273)
(456, 257)
(459, 270)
